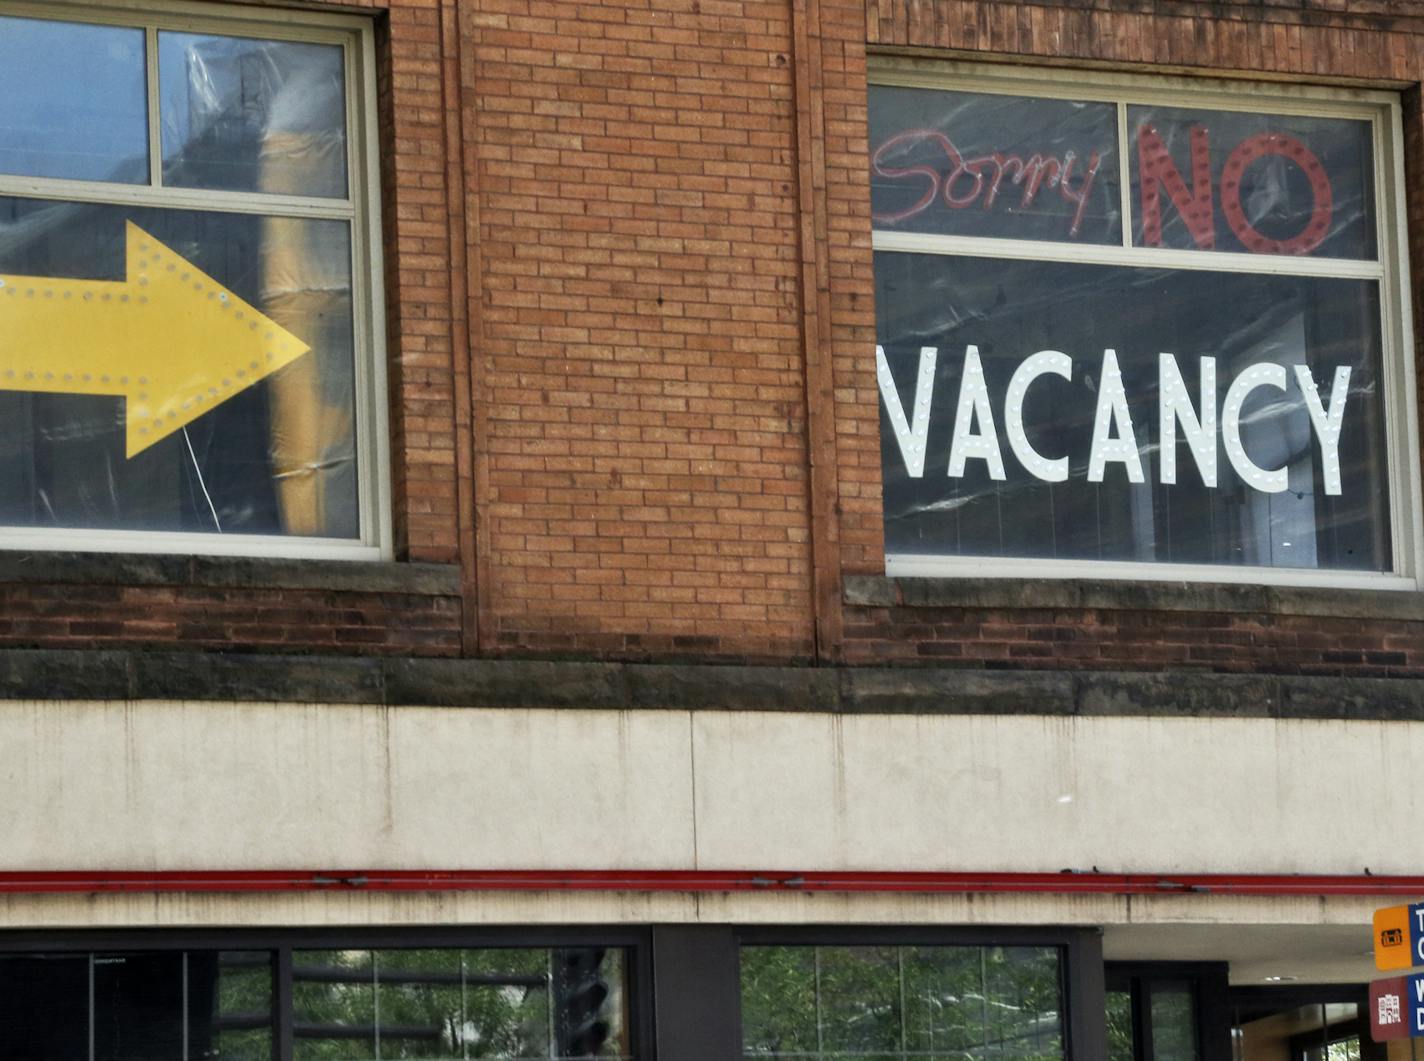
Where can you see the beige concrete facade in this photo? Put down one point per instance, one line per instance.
(204, 786)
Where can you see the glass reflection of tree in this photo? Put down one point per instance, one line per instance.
(437, 1003)
(950, 1003)
(1119, 1026)
(231, 1015)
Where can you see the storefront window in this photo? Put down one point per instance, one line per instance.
(137, 1006)
(1166, 1011)
(1124, 338)
(495, 1003)
(499, 1004)
(894, 1003)
(186, 289)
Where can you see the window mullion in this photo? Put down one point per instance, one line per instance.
(155, 117)
(1396, 328)
(91, 1006)
(283, 1003)
(1124, 166)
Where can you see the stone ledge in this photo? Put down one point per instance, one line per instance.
(229, 572)
(57, 674)
(877, 591)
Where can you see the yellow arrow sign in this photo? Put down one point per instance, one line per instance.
(168, 339)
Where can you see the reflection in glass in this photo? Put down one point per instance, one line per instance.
(1308, 502)
(1252, 183)
(780, 1000)
(860, 999)
(937, 1019)
(333, 1004)
(230, 1005)
(509, 1005)
(420, 999)
(1327, 1030)
(1119, 1026)
(74, 102)
(277, 456)
(1174, 1030)
(895, 1003)
(1346, 1049)
(1012, 167)
(251, 115)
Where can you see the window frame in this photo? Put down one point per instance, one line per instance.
(1209, 985)
(636, 941)
(360, 209)
(1389, 268)
(1081, 967)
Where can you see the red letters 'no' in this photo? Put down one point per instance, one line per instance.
(1156, 172)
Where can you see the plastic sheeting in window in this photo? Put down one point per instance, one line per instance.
(1252, 183)
(252, 115)
(74, 103)
(1011, 167)
(1093, 412)
(276, 456)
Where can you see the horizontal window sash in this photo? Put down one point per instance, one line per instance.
(1099, 86)
(1144, 257)
(910, 565)
(179, 198)
(232, 20)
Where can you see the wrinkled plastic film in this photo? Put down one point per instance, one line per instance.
(63, 460)
(1252, 183)
(285, 102)
(1008, 167)
(252, 115)
(306, 289)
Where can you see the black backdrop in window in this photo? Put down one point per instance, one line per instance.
(1012, 309)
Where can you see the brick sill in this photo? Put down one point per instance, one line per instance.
(135, 569)
(72, 674)
(878, 591)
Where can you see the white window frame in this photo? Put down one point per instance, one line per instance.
(1391, 269)
(360, 209)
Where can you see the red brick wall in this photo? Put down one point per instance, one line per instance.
(419, 304)
(1135, 640)
(639, 392)
(630, 314)
(215, 618)
(419, 243)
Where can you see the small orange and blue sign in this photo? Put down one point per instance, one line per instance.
(1399, 937)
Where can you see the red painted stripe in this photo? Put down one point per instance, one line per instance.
(1066, 883)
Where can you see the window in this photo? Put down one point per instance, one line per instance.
(1167, 1011)
(1318, 1022)
(900, 1002)
(508, 1004)
(1141, 329)
(137, 1005)
(189, 284)
(501, 1003)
